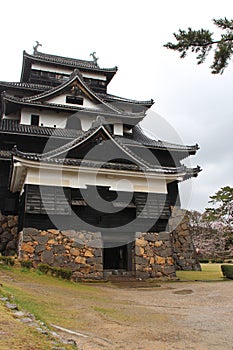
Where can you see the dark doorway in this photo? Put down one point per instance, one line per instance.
(118, 258)
(35, 119)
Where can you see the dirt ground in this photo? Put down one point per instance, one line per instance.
(169, 316)
(181, 316)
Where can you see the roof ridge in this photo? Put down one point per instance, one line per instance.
(23, 84)
(73, 108)
(187, 172)
(9, 125)
(124, 99)
(39, 53)
(75, 62)
(165, 144)
(82, 138)
(76, 74)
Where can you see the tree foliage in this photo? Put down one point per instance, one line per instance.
(201, 43)
(222, 212)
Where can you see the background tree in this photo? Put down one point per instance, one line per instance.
(220, 216)
(212, 231)
(222, 212)
(201, 42)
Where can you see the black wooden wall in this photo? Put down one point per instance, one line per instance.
(63, 206)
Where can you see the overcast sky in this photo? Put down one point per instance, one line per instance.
(191, 104)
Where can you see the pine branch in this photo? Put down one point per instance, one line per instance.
(201, 43)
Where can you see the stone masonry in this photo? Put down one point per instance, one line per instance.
(184, 252)
(77, 251)
(81, 252)
(153, 255)
(8, 234)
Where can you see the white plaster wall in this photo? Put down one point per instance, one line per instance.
(94, 76)
(50, 118)
(87, 120)
(44, 67)
(80, 178)
(89, 104)
(15, 116)
(47, 118)
(118, 129)
(61, 99)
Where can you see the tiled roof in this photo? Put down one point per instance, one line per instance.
(38, 100)
(142, 165)
(192, 172)
(97, 164)
(140, 137)
(112, 98)
(28, 86)
(12, 126)
(73, 62)
(77, 138)
(92, 131)
(75, 75)
(127, 117)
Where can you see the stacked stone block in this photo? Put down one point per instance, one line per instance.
(153, 255)
(78, 251)
(8, 234)
(184, 252)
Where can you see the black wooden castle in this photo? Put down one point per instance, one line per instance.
(64, 140)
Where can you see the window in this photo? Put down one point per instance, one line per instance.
(48, 200)
(35, 119)
(74, 100)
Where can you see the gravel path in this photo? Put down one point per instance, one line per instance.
(175, 316)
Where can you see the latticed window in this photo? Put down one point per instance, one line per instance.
(47, 200)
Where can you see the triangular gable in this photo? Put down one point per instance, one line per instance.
(94, 133)
(75, 80)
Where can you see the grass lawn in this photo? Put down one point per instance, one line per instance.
(210, 272)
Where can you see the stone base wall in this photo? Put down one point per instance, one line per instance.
(81, 252)
(184, 252)
(78, 251)
(8, 234)
(153, 255)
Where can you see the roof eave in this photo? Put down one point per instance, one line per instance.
(111, 71)
(126, 118)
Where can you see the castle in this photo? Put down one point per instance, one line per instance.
(78, 170)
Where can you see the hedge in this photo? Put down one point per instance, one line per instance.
(55, 271)
(227, 271)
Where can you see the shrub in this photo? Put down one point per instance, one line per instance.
(55, 271)
(217, 261)
(204, 261)
(7, 260)
(227, 271)
(26, 263)
(64, 273)
(44, 268)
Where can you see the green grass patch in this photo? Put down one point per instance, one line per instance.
(210, 272)
(46, 297)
